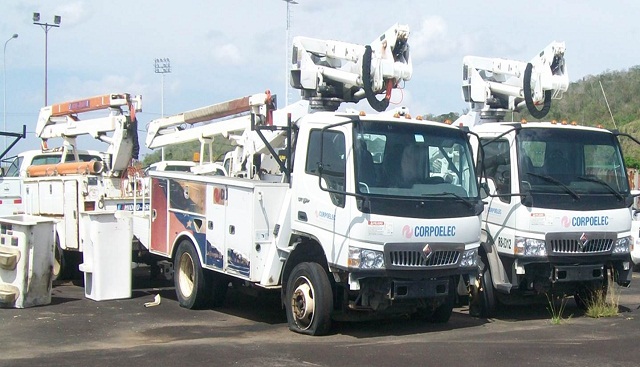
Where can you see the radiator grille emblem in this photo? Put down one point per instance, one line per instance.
(427, 251)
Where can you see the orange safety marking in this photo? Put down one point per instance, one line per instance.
(87, 104)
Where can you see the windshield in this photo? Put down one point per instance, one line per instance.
(560, 166)
(413, 161)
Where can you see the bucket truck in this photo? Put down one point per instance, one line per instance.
(347, 214)
(77, 182)
(558, 218)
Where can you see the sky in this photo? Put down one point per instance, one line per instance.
(225, 49)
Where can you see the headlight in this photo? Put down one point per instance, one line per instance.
(365, 259)
(622, 245)
(530, 247)
(469, 258)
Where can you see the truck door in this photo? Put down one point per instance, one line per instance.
(216, 223)
(323, 213)
(498, 168)
(159, 207)
(71, 215)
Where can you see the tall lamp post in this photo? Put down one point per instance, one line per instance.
(162, 66)
(287, 46)
(46, 26)
(4, 78)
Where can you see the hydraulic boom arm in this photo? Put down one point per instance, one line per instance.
(61, 120)
(331, 72)
(493, 86)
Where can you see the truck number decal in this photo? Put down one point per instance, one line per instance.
(504, 243)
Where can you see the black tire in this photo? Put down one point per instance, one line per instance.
(442, 313)
(483, 299)
(309, 300)
(191, 282)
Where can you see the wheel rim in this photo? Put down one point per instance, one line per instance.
(186, 275)
(57, 262)
(303, 303)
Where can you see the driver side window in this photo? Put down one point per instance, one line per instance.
(332, 158)
(497, 166)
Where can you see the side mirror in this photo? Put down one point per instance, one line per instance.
(488, 187)
(1, 171)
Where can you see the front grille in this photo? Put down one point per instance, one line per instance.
(572, 246)
(580, 243)
(419, 259)
(411, 256)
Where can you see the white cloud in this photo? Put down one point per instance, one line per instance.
(227, 55)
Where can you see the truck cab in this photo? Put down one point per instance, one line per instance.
(557, 221)
(389, 239)
(558, 215)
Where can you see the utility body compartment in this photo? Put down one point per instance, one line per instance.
(231, 221)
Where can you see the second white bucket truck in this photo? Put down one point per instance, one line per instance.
(82, 182)
(350, 215)
(558, 218)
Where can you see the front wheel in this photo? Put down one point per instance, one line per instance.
(483, 298)
(192, 284)
(309, 299)
(442, 313)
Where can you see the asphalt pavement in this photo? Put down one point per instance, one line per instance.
(251, 330)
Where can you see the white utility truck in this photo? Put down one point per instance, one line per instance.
(558, 217)
(16, 168)
(349, 215)
(77, 182)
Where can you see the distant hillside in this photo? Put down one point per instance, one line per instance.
(585, 103)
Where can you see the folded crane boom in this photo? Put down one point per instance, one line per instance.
(331, 72)
(118, 129)
(493, 86)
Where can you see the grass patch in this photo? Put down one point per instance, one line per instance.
(603, 303)
(556, 308)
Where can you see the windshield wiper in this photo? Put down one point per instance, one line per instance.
(605, 184)
(554, 181)
(460, 198)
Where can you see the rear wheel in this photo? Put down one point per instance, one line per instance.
(192, 284)
(58, 262)
(309, 299)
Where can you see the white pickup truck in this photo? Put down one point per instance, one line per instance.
(11, 178)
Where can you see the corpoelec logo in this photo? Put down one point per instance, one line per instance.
(586, 221)
(428, 231)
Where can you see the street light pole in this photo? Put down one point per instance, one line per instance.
(287, 46)
(46, 26)
(162, 66)
(4, 78)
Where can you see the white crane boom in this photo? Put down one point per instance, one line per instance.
(61, 120)
(493, 86)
